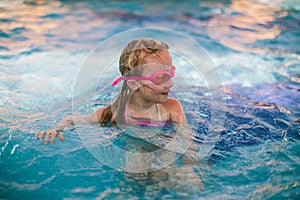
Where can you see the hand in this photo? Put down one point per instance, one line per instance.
(49, 135)
(67, 121)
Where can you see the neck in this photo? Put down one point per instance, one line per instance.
(138, 103)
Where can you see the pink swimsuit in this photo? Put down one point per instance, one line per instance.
(143, 122)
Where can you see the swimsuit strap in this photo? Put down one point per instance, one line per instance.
(158, 111)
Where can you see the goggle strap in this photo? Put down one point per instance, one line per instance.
(117, 81)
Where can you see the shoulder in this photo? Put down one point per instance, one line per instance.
(172, 104)
(174, 108)
(99, 112)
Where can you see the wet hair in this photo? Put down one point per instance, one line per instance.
(133, 55)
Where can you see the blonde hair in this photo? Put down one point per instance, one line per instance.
(133, 55)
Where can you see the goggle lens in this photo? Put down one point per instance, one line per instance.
(162, 78)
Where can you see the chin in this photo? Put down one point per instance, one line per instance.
(162, 99)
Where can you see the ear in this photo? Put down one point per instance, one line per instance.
(133, 85)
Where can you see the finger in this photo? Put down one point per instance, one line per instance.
(60, 136)
(53, 135)
(37, 135)
(41, 135)
(47, 135)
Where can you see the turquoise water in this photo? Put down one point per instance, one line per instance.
(255, 46)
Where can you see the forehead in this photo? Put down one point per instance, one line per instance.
(155, 62)
(148, 69)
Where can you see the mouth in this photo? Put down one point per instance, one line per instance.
(165, 93)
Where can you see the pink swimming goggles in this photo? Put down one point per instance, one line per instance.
(158, 77)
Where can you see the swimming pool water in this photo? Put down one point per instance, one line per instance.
(254, 44)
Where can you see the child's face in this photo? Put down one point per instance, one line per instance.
(156, 92)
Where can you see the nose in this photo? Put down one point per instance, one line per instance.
(168, 83)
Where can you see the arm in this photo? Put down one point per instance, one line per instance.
(51, 134)
(177, 115)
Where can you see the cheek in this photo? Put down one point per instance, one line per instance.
(153, 89)
(157, 88)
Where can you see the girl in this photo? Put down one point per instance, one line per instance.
(146, 68)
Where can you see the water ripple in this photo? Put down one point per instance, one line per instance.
(255, 47)
(26, 186)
